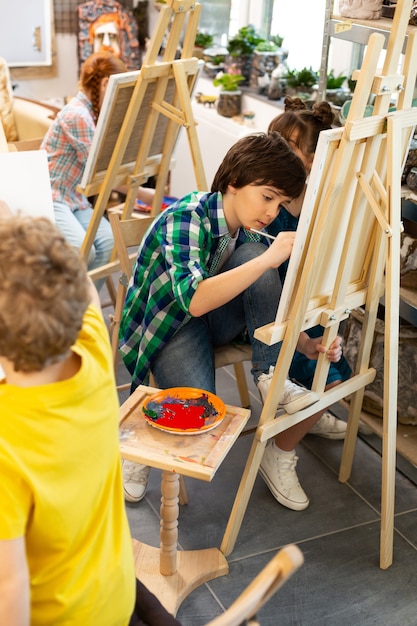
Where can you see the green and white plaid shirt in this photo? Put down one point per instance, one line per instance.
(184, 245)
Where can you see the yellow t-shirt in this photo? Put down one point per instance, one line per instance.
(61, 488)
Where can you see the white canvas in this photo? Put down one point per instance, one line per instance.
(25, 184)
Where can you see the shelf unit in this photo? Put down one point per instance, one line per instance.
(358, 32)
(348, 29)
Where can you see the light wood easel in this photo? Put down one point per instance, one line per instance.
(141, 117)
(347, 250)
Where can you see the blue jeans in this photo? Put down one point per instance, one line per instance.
(188, 359)
(73, 225)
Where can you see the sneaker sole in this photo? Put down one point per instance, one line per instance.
(132, 499)
(289, 504)
(328, 435)
(301, 403)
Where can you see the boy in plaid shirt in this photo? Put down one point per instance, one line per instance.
(202, 279)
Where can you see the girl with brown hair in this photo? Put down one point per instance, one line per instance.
(68, 142)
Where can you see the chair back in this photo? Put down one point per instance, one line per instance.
(279, 569)
(127, 234)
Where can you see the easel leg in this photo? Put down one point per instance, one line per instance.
(351, 435)
(242, 496)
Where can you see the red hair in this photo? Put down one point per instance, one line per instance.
(99, 65)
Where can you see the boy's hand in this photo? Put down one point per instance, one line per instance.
(5, 210)
(280, 249)
(312, 347)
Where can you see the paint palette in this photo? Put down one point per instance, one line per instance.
(184, 410)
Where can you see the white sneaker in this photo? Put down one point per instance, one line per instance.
(329, 427)
(135, 480)
(364, 429)
(278, 471)
(294, 397)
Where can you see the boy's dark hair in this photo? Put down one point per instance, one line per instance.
(261, 159)
(44, 292)
(306, 123)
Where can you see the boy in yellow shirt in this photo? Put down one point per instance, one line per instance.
(65, 547)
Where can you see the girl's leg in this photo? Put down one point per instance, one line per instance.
(103, 241)
(70, 226)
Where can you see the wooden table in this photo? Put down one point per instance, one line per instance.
(169, 574)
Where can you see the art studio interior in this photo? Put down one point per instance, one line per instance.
(223, 193)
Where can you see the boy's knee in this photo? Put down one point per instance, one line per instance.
(248, 251)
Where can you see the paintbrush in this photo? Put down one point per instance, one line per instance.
(260, 232)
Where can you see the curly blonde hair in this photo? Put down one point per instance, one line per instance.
(44, 292)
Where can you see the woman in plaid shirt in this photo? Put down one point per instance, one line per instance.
(202, 279)
(68, 143)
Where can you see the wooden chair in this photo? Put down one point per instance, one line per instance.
(236, 355)
(128, 233)
(279, 569)
(25, 120)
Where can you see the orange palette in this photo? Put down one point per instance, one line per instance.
(184, 410)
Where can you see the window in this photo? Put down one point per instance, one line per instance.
(300, 23)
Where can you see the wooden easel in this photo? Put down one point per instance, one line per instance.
(142, 115)
(347, 250)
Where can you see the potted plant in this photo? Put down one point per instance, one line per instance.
(202, 41)
(244, 42)
(334, 82)
(277, 40)
(266, 46)
(241, 48)
(214, 60)
(301, 82)
(230, 80)
(334, 88)
(230, 96)
(265, 60)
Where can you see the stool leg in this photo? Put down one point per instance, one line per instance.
(169, 522)
(242, 385)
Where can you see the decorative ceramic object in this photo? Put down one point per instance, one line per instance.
(361, 9)
(229, 103)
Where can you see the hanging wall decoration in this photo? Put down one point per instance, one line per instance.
(107, 25)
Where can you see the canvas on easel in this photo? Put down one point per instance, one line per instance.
(33, 165)
(142, 115)
(346, 253)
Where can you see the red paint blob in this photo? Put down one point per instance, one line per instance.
(181, 416)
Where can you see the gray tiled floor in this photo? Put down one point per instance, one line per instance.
(340, 582)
